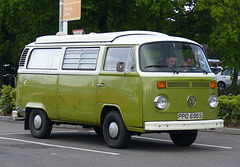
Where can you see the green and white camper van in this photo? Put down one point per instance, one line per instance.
(119, 83)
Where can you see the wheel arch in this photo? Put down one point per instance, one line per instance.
(220, 81)
(29, 108)
(108, 108)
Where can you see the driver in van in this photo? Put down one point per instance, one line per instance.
(170, 60)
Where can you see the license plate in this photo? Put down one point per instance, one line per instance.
(190, 116)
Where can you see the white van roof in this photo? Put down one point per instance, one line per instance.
(124, 37)
(92, 37)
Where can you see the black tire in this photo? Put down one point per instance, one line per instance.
(39, 124)
(98, 130)
(184, 138)
(221, 85)
(114, 131)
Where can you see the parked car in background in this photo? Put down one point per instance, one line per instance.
(223, 77)
(9, 75)
(216, 70)
(214, 62)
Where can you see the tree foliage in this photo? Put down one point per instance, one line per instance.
(212, 22)
(225, 35)
(7, 102)
(21, 21)
(24, 20)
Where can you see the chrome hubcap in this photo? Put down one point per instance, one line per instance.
(37, 122)
(113, 130)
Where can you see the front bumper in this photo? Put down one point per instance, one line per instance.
(183, 125)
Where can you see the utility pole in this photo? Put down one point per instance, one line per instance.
(60, 15)
(63, 25)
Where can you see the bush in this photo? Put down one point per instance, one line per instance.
(7, 102)
(229, 110)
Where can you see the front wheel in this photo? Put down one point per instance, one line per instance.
(39, 124)
(184, 138)
(114, 131)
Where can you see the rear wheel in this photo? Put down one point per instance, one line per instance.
(114, 131)
(39, 124)
(184, 138)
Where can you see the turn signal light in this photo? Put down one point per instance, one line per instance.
(213, 84)
(161, 84)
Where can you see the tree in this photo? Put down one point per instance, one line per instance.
(106, 15)
(118, 15)
(225, 34)
(28, 19)
(21, 22)
(4, 35)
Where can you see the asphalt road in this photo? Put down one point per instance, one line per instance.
(77, 147)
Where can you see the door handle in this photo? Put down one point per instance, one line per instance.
(100, 85)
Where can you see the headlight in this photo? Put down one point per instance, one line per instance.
(213, 101)
(160, 102)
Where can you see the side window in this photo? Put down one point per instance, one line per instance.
(121, 54)
(226, 72)
(44, 59)
(80, 59)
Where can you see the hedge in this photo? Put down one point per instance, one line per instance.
(229, 109)
(8, 98)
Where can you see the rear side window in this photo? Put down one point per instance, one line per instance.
(121, 54)
(44, 59)
(80, 59)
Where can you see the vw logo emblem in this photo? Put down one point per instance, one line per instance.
(191, 101)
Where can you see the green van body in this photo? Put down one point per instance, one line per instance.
(86, 97)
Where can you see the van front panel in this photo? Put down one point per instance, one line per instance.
(177, 93)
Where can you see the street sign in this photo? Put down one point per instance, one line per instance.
(78, 32)
(71, 10)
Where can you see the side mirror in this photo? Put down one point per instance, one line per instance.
(120, 66)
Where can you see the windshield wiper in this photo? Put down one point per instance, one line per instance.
(202, 70)
(155, 65)
(161, 66)
(191, 67)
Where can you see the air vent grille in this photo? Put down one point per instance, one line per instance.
(178, 84)
(188, 84)
(201, 84)
(23, 57)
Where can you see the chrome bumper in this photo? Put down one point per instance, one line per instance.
(183, 125)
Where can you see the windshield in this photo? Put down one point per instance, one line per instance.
(176, 57)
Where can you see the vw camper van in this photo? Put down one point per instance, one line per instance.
(120, 84)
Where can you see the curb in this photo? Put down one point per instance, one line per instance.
(11, 119)
(232, 131)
